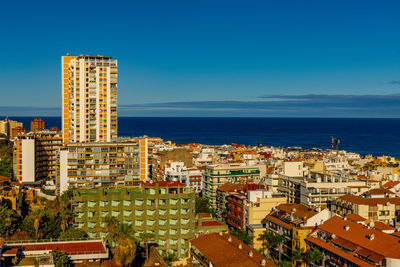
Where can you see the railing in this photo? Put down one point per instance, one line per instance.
(9, 242)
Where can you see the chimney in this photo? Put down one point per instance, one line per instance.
(371, 237)
(240, 246)
(263, 262)
(251, 254)
(220, 233)
(229, 239)
(346, 227)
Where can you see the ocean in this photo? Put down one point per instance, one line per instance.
(365, 136)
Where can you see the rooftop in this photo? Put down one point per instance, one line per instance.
(224, 250)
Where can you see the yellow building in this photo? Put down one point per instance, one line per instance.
(7, 125)
(259, 203)
(89, 98)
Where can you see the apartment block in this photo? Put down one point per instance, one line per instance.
(37, 124)
(102, 165)
(377, 209)
(7, 125)
(160, 159)
(294, 222)
(217, 175)
(191, 177)
(165, 209)
(89, 98)
(35, 155)
(317, 188)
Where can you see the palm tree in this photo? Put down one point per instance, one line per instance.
(274, 240)
(146, 237)
(297, 255)
(263, 238)
(111, 223)
(66, 218)
(125, 249)
(313, 256)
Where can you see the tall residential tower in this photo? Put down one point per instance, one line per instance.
(89, 98)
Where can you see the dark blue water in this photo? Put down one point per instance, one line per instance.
(364, 136)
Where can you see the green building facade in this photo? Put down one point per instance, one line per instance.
(165, 209)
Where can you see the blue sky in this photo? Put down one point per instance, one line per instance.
(209, 58)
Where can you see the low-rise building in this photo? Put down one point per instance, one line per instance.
(294, 222)
(346, 242)
(224, 250)
(377, 209)
(206, 224)
(178, 172)
(165, 209)
(217, 175)
(159, 160)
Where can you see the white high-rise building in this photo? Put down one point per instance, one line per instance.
(89, 98)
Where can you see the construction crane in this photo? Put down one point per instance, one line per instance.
(337, 141)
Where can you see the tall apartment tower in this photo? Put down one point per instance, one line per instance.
(89, 98)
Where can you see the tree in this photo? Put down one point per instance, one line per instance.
(111, 223)
(169, 258)
(243, 235)
(125, 250)
(6, 160)
(73, 233)
(66, 218)
(313, 256)
(145, 238)
(297, 255)
(61, 259)
(285, 264)
(274, 240)
(202, 205)
(263, 238)
(8, 221)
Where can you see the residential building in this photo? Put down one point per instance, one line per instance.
(224, 250)
(223, 192)
(377, 209)
(191, 177)
(165, 209)
(89, 98)
(102, 164)
(160, 159)
(37, 125)
(317, 188)
(35, 155)
(17, 130)
(217, 175)
(7, 125)
(346, 242)
(294, 222)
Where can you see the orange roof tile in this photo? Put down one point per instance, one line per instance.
(356, 218)
(223, 253)
(369, 201)
(382, 243)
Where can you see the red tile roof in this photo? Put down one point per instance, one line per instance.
(391, 184)
(379, 191)
(224, 253)
(383, 244)
(356, 218)
(211, 223)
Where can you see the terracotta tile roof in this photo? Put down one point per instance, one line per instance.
(379, 191)
(211, 223)
(391, 184)
(223, 253)
(383, 244)
(4, 179)
(356, 218)
(204, 215)
(383, 226)
(228, 187)
(300, 210)
(369, 201)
